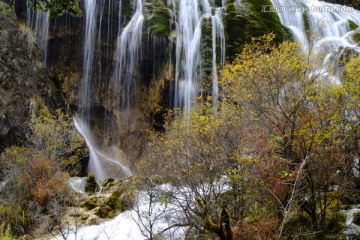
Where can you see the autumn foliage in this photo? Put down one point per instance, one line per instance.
(282, 138)
(37, 172)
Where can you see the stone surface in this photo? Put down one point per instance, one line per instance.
(24, 84)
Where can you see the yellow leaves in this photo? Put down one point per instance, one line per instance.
(168, 153)
(351, 81)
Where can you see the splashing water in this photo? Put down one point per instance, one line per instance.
(101, 164)
(321, 29)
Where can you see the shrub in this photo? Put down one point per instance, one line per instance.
(37, 172)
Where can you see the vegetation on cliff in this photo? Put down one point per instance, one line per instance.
(36, 174)
(23, 79)
(54, 7)
(246, 21)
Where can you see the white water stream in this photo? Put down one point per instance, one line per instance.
(189, 20)
(321, 28)
(127, 55)
(351, 228)
(39, 22)
(135, 224)
(101, 164)
(89, 45)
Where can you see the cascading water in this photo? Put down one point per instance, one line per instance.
(217, 35)
(89, 44)
(39, 22)
(321, 28)
(103, 165)
(127, 57)
(189, 20)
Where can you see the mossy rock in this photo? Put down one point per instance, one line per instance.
(356, 219)
(247, 21)
(157, 18)
(91, 203)
(306, 22)
(355, 236)
(91, 184)
(107, 183)
(356, 37)
(122, 199)
(346, 207)
(127, 11)
(337, 223)
(105, 211)
(352, 25)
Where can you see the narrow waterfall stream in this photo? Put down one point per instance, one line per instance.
(88, 57)
(127, 56)
(39, 22)
(189, 21)
(103, 165)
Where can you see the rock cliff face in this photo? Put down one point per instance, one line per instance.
(24, 83)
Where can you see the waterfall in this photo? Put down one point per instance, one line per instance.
(105, 161)
(39, 22)
(112, 76)
(127, 56)
(320, 28)
(89, 45)
(217, 35)
(103, 165)
(189, 21)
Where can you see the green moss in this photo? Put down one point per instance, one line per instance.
(107, 183)
(356, 219)
(127, 10)
(157, 18)
(355, 236)
(337, 223)
(91, 184)
(249, 21)
(306, 22)
(123, 198)
(352, 25)
(356, 37)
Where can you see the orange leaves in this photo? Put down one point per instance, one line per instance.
(39, 192)
(47, 188)
(41, 167)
